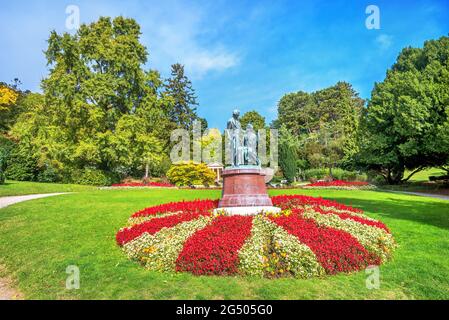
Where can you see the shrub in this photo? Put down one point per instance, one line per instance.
(287, 162)
(48, 174)
(95, 177)
(315, 174)
(21, 165)
(337, 173)
(189, 173)
(5, 147)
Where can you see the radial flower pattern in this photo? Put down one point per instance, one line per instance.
(310, 237)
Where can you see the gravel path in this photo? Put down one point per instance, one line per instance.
(7, 201)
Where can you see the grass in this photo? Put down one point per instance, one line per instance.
(423, 176)
(419, 182)
(39, 239)
(16, 188)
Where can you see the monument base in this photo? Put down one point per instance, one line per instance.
(247, 211)
(244, 187)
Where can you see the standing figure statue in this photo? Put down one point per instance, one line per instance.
(233, 132)
(250, 142)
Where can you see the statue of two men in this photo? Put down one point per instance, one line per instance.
(245, 154)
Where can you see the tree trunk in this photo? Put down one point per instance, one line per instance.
(147, 169)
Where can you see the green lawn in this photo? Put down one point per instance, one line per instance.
(423, 176)
(15, 188)
(39, 239)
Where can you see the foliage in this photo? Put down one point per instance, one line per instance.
(49, 174)
(190, 173)
(406, 124)
(254, 118)
(100, 110)
(325, 123)
(94, 177)
(337, 173)
(183, 107)
(8, 107)
(211, 146)
(6, 145)
(21, 165)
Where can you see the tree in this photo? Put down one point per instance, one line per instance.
(295, 111)
(179, 88)
(101, 107)
(254, 118)
(287, 162)
(325, 122)
(406, 123)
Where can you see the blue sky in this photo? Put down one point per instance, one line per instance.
(244, 54)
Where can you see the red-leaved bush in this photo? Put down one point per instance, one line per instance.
(337, 251)
(214, 249)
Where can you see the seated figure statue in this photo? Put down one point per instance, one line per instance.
(250, 142)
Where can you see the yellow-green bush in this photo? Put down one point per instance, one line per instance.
(190, 173)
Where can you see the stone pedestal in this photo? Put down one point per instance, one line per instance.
(244, 192)
(244, 188)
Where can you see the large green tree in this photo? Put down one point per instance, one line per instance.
(254, 118)
(406, 123)
(102, 110)
(325, 123)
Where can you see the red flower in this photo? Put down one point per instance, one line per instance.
(214, 249)
(154, 225)
(337, 251)
(289, 201)
(337, 183)
(183, 206)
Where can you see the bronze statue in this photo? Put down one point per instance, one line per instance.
(246, 153)
(250, 142)
(233, 132)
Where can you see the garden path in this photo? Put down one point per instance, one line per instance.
(7, 201)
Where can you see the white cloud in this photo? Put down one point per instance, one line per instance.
(182, 35)
(384, 41)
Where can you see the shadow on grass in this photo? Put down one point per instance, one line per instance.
(435, 213)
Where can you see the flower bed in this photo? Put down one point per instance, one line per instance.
(310, 237)
(142, 185)
(340, 184)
